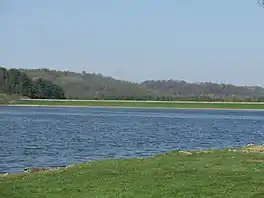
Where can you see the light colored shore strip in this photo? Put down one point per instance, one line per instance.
(143, 101)
(123, 107)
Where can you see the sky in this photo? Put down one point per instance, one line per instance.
(194, 40)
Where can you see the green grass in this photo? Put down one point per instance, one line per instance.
(203, 174)
(162, 104)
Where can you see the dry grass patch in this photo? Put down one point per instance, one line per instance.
(254, 148)
(256, 160)
(185, 152)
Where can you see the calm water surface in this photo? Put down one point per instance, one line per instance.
(48, 137)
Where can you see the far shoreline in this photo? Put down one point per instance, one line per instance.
(129, 107)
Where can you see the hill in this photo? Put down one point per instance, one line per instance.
(96, 86)
(85, 85)
(204, 91)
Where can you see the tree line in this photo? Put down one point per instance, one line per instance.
(14, 81)
(52, 84)
(86, 85)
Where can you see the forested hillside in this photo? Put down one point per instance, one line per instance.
(16, 82)
(92, 86)
(204, 91)
(44, 83)
(96, 86)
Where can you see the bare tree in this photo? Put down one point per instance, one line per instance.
(261, 3)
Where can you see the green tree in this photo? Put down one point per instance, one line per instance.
(47, 90)
(14, 81)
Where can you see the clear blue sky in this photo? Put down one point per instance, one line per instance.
(193, 40)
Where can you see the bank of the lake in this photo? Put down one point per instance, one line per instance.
(216, 173)
(142, 104)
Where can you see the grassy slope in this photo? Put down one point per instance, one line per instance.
(145, 104)
(202, 174)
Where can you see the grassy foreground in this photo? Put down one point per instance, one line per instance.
(161, 104)
(219, 173)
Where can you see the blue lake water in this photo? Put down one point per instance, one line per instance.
(49, 137)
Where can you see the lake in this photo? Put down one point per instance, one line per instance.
(50, 137)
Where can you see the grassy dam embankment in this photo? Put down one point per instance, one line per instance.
(143, 104)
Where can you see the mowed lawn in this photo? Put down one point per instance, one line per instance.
(160, 104)
(219, 173)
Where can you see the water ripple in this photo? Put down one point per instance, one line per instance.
(47, 137)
